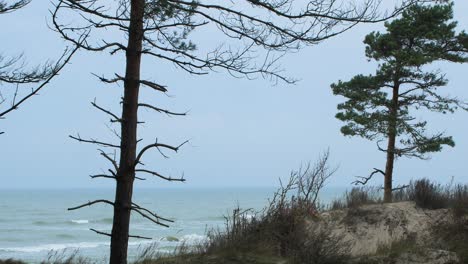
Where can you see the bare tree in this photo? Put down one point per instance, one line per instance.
(260, 32)
(16, 79)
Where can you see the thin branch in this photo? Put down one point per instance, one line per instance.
(149, 217)
(158, 146)
(93, 141)
(152, 213)
(160, 110)
(91, 203)
(57, 68)
(100, 232)
(141, 237)
(114, 163)
(102, 176)
(110, 235)
(364, 180)
(153, 85)
(116, 118)
(400, 188)
(161, 176)
(105, 80)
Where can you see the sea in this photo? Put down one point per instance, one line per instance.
(35, 224)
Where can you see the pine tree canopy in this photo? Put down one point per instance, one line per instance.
(382, 104)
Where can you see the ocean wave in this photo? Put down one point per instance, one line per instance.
(80, 221)
(193, 239)
(55, 247)
(142, 242)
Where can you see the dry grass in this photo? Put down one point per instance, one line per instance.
(284, 232)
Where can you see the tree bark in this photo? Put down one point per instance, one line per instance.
(392, 133)
(126, 173)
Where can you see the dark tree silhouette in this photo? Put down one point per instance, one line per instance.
(17, 82)
(381, 106)
(260, 31)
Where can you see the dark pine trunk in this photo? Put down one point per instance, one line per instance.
(391, 146)
(126, 173)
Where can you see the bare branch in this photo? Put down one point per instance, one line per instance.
(149, 217)
(400, 187)
(140, 237)
(160, 110)
(364, 180)
(100, 232)
(105, 80)
(102, 176)
(64, 59)
(158, 146)
(114, 163)
(181, 179)
(152, 213)
(93, 141)
(116, 118)
(91, 203)
(110, 235)
(153, 85)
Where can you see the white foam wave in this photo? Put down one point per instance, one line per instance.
(80, 221)
(193, 239)
(142, 242)
(249, 216)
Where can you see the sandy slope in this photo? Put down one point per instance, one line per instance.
(369, 227)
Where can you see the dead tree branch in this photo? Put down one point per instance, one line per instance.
(152, 213)
(181, 179)
(110, 235)
(102, 176)
(158, 146)
(115, 117)
(100, 232)
(154, 220)
(398, 188)
(91, 203)
(114, 163)
(160, 110)
(363, 180)
(93, 141)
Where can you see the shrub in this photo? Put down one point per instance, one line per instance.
(460, 201)
(11, 261)
(285, 228)
(452, 235)
(428, 195)
(321, 247)
(356, 197)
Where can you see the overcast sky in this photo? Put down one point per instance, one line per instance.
(242, 133)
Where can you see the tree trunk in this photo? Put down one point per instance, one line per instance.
(392, 127)
(126, 173)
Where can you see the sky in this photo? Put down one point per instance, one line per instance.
(243, 133)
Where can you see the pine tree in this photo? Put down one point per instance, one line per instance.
(382, 106)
